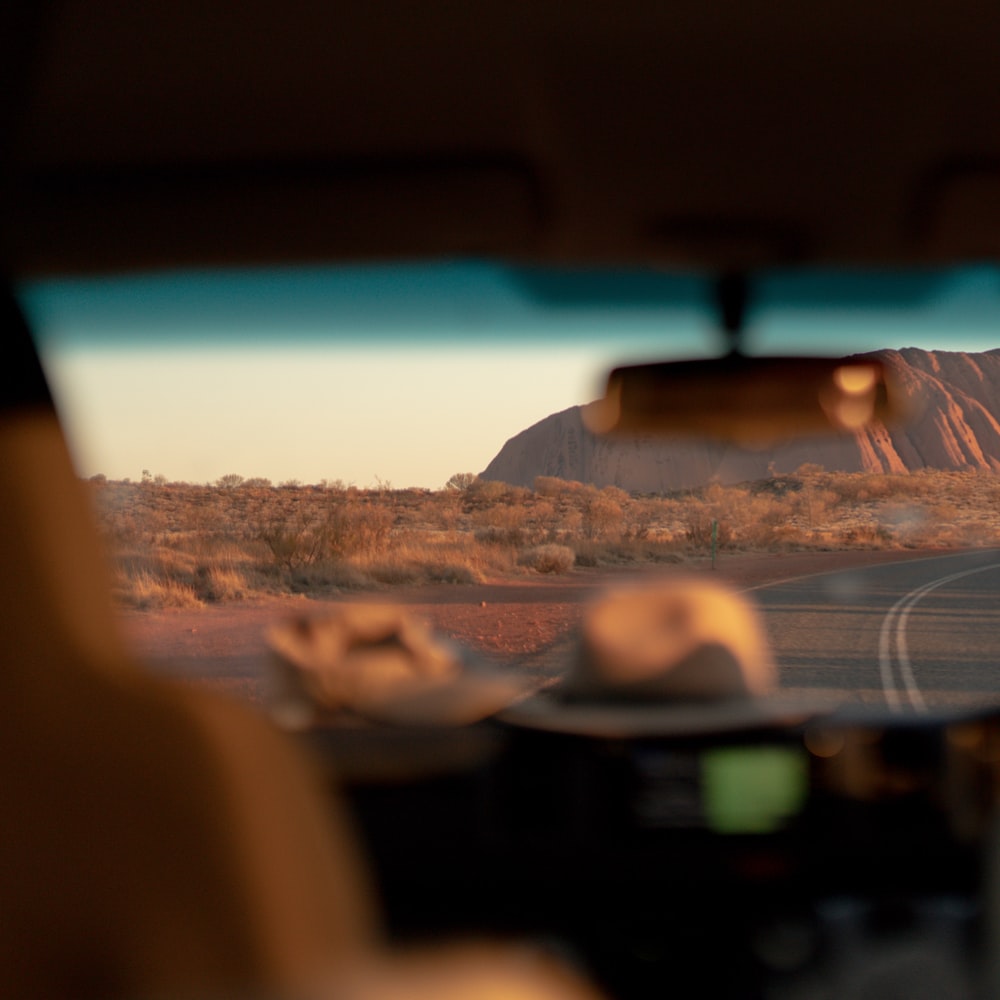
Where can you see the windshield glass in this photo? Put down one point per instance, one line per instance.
(259, 444)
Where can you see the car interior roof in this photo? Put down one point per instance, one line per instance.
(689, 134)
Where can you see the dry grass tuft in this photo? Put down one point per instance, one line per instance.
(147, 592)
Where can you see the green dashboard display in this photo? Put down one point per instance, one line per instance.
(753, 789)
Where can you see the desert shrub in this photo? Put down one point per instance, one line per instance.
(868, 536)
(556, 488)
(698, 531)
(453, 572)
(809, 469)
(496, 536)
(461, 481)
(717, 495)
(847, 486)
(587, 553)
(946, 510)
(627, 551)
(746, 518)
(638, 523)
(570, 525)
(442, 512)
(874, 487)
(663, 552)
(548, 558)
(764, 509)
(593, 553)
(761, 535)
(616, 495)
(484, 492)
(549, 486)
(813, 504)
(544, 515)
(354, 527)
(293, 538)
(333, 485)
(395, 572)
(602, 517)
(500, 525)
(776, 486)
(328, 575)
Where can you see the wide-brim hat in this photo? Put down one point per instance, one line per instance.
(549, 713)
(379, 663)
(680, 657)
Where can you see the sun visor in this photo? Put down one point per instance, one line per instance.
(99, 219)
(22, 380)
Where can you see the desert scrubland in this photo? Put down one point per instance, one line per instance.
(184, 545)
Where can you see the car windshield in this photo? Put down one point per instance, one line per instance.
(260, 444)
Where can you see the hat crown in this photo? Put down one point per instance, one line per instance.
(685, 639)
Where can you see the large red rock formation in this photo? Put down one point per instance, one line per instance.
(955, 398)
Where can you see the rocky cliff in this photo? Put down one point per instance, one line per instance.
(956, 397)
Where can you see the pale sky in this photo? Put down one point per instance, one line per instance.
(411, 373)
(307, 413)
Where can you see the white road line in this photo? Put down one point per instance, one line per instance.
(894, 627)
(885, 661)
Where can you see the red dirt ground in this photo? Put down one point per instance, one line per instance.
(526, 621)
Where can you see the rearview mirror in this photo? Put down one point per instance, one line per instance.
(747, 400)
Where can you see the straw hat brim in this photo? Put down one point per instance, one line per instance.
(467, 698)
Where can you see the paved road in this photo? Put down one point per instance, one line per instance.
(916, 635)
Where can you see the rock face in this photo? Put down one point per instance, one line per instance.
(956, 397)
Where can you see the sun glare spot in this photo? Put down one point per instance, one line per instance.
(825, 743)
(854, 413)
(855, 380)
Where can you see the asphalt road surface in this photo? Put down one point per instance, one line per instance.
(914, 636)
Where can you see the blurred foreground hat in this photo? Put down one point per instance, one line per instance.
(381, 663)
(471, 971)
(679, 657)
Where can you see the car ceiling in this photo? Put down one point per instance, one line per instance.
(684, 134)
